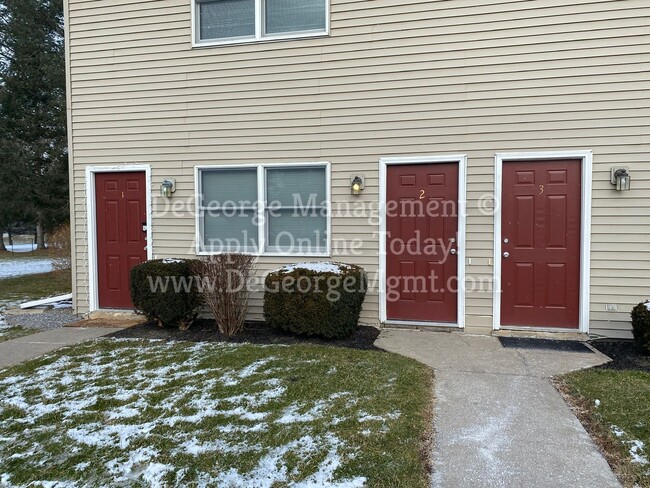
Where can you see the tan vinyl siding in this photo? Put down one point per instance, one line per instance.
(395, 78)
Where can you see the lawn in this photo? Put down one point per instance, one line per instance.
(615, 407)
(8, 333)
(40, 254)
(34, 286)
(146, 413)
(29, 287)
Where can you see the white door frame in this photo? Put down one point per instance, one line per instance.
(585, 230)
(91, 219)
(461, 160)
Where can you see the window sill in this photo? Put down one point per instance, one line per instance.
(262, 40)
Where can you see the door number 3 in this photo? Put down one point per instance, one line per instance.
(422, 193)
(541, 189)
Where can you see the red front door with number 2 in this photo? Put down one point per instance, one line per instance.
(540, 243)
(421, 242)
(121, 234)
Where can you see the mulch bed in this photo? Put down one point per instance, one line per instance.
(625, 354)
(254, 333)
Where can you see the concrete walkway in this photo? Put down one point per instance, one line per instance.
(29, 347)
(499, 420)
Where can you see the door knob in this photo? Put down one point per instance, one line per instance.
(506, 254)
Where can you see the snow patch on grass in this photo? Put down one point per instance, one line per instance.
(291, 414)
(139, 466)
(366, 417)
(116, 405)
(271, 468)
(635, 447)
(20, 267)
(195, 447)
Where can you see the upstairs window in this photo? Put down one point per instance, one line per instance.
(232, 21)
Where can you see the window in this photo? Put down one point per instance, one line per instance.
(263, 209)
(230, 21)
(229, 209)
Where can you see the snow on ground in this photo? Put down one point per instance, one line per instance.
(116, 404)
(21, 247)
(635, 447)
(18, 267)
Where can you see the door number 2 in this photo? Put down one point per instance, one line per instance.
(422, 193)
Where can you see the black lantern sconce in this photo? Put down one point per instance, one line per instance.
(167, 187)
(621, 178)
(357, 184)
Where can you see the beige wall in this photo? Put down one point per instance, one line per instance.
(396, 78)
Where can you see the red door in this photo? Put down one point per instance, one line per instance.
(121, 234)
(421, 242)
(540, 242)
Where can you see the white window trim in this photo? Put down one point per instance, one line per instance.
(261, 192)
(91, 219)
(461, 160)
(585, 232)
(259, 35)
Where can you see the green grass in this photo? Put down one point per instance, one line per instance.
(8, 333)
(624, 406)
(30, 287)
(33, 287)
(40, 254)
(136, 413)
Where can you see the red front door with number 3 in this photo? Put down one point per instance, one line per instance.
(540, 243)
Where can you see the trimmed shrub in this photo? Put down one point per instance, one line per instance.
(164, 291)
(641, 325)
(226, 288)
(315, 299)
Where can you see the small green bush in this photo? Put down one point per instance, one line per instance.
(315, 299)
(641, 324)
(164, 291)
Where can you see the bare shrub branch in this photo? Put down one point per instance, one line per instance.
(60, 246)
(225, 291)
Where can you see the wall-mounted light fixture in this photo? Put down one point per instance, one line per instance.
(621, 178)
(357, 184)
(167, 187)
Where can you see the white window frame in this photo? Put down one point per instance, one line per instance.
(261, 209)
(260, 36)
